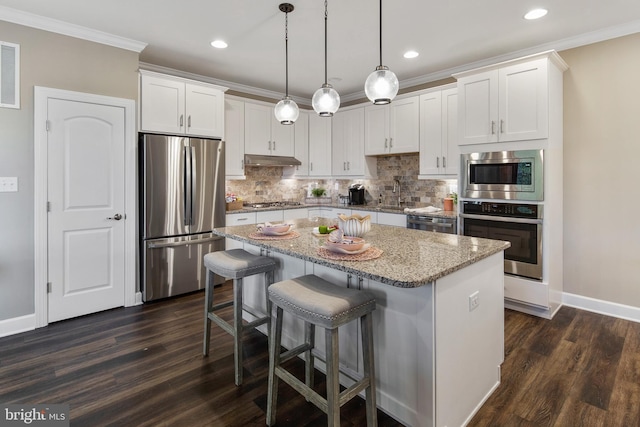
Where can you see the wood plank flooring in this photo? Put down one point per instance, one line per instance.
(143, 366)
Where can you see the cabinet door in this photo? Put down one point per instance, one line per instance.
(404, 125)
(354, 142)
(282, 137)
(338, 143)
(162, 105)
(319, 145)
(204, 111)
(524, 110)
(399, 220)
(234, 138)
(257, 129)
(450, 147)
(301, 147)
(431, 133)
(478, 108)
(376, 130)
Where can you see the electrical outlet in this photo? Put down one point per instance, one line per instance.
(474, 300)
(8, 184)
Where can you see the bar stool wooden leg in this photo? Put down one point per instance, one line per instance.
(208, 298)
(238, 327)
(366, 327)
(333, 380)
(274, 361)
(268, 280)
(309, 339)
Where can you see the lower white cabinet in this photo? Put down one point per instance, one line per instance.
(385, 218)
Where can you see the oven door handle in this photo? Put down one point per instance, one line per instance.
(502, 219)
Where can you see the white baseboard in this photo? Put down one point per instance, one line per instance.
(17, 325)
(607, 308)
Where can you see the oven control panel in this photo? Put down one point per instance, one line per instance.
(515, 210)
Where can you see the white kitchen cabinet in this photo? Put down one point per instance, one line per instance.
(240, 218)
(265, 135)
(506, 102)
(295, 214)
(271, 216)
(439, 151)
(386, 218)
(234, 138)
(393, 128)
(319, 145)
(178, 106)
(301, 148)
(347, 142)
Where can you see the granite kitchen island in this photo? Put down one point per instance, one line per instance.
(439, 321)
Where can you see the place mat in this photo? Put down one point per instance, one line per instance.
(371, 253)
(259, 236)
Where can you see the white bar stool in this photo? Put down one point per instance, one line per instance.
(321, 303)
(235, 264)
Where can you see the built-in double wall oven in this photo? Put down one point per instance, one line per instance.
(507, 184)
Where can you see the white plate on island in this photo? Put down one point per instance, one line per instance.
(339, 250)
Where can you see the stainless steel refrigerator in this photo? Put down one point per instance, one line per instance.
(181, 200)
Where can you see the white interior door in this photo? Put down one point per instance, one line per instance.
(86, 195)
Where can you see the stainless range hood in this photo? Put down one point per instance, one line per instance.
(260, 160)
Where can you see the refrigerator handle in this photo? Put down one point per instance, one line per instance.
(194, 183)
(187, 184)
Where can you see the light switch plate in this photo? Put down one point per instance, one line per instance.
(8, 184)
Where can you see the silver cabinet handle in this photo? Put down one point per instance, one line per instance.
(501, 126)
(116, 217)
(274, 146)
(437, 162)
(385, 143)
(311, 166)
(242, 219)
(444, 162)
(269, 143)
(390, 142)
(181, 120)
(344, 166)
(242, 164)
(493, 127)
(189, 121)
(348, 166)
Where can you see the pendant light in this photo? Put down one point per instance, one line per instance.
(326, 100)
(381, 85)
(286, 110)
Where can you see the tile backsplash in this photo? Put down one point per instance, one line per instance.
(266, 184)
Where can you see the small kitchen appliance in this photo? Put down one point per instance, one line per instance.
(356, 194)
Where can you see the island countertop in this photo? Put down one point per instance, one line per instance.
(410, 258)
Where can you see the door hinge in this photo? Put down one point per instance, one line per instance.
(47, 125)
(48, 287)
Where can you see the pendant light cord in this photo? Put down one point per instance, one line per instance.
(381, 33)
(325, 41)
(286, 50)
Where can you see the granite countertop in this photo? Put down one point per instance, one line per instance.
(410, 258)
(369, 208)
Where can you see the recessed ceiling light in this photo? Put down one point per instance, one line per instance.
(535, 14)
(220, 44)
(411, 54)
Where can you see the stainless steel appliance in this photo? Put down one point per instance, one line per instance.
(181, 201)
(508, 175)
(520, 224)
(356, 194)
(432, 223)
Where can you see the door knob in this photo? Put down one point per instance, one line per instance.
(116, 217)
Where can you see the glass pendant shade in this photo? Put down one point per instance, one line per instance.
(326, 101)
(286, 111)
(381, 86)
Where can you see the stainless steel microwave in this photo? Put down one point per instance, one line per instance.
(507, 175)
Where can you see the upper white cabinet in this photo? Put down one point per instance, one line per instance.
(506, 102)
(319, 145)
(347, 142)
(178, 106)
(393, 128)
(301, 150)
(264, 134)
(439, 152)
(234, 138)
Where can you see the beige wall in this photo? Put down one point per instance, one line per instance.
(601, 167)
(55, 61)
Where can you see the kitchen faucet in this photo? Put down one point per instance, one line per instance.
(396, 187)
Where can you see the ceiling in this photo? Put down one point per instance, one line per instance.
(450, 35)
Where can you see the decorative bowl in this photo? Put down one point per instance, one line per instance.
(274, 229)
(354, 225)
(347, 244)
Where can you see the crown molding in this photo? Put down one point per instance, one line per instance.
(558, 45)
(67, 29)
(238, 87)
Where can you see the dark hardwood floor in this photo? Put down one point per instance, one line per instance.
(143, 366)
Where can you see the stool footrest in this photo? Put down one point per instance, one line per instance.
(221, 305)
(290, 354)
(221, 322)
(353, 390)
(302, 388)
